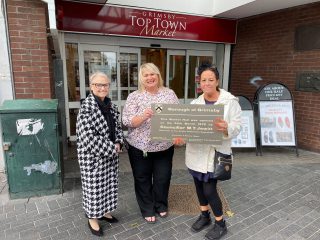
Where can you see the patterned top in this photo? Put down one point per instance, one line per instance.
(136, 103)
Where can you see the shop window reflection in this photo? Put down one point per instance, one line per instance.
(104, 62)
(157, 56)
(194, 81)
(128, 74)
(177, 75)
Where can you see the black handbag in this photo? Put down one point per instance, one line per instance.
(222, 164)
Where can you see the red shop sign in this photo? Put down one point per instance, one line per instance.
(110, 20)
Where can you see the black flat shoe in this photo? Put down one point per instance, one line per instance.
(201, 223)
(109, 220)
(98, 233)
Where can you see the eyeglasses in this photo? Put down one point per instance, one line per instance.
(101, 85)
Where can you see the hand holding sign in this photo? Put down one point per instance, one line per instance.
(147, 113)
(220, 125)
(178, 141)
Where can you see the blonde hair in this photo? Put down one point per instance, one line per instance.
(98, 74)
(151, 68)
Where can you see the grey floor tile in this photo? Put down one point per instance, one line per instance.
(307, 231)
(270, 201)
(146, 234)
(127, 233)
(62, 235)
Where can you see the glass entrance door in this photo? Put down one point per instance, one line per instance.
(194, 60)
(92, 58)
(181, 75)
(120, 65)
(175, 77)
(129, 61)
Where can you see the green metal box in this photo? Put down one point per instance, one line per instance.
(31, 146)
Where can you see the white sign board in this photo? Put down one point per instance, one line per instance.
(276, 123)
(246, 137)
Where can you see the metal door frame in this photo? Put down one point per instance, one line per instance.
(121, 102)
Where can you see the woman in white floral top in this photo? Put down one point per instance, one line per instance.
(151, 161)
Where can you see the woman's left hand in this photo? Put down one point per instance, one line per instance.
(178, 141)
(220, 125)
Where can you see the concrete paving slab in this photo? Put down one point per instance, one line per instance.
(274, 196)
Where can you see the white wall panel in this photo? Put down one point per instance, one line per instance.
(5, 76)
(220, 6)
(199, 7)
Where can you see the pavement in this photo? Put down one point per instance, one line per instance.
(275, 196)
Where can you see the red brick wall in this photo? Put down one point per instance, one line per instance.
(28, 23)
(265, 48)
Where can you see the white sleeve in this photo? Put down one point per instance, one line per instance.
(233, 118)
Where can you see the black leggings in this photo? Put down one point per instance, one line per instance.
(207, 194)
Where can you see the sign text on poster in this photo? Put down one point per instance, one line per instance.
(193, 123)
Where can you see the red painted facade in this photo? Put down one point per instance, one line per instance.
(110, 20)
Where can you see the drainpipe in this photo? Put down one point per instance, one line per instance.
(53, 26)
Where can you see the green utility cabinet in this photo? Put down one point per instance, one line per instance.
(31, 147)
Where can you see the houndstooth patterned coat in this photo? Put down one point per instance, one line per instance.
(98, 159)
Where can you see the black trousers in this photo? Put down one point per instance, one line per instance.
(207, 194)
(152, 175)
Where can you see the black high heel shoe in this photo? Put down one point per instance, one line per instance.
(98, 233)
(113, 219)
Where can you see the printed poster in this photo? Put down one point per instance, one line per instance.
(276, 122)
(246, 137)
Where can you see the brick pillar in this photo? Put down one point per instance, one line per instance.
(31, 56)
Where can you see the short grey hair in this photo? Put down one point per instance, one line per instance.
(98, 74)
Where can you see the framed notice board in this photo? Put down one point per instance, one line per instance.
(275, 116)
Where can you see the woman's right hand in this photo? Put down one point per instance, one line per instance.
(138, 120)
(147, 114)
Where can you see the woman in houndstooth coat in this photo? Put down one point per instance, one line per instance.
(99, 140)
